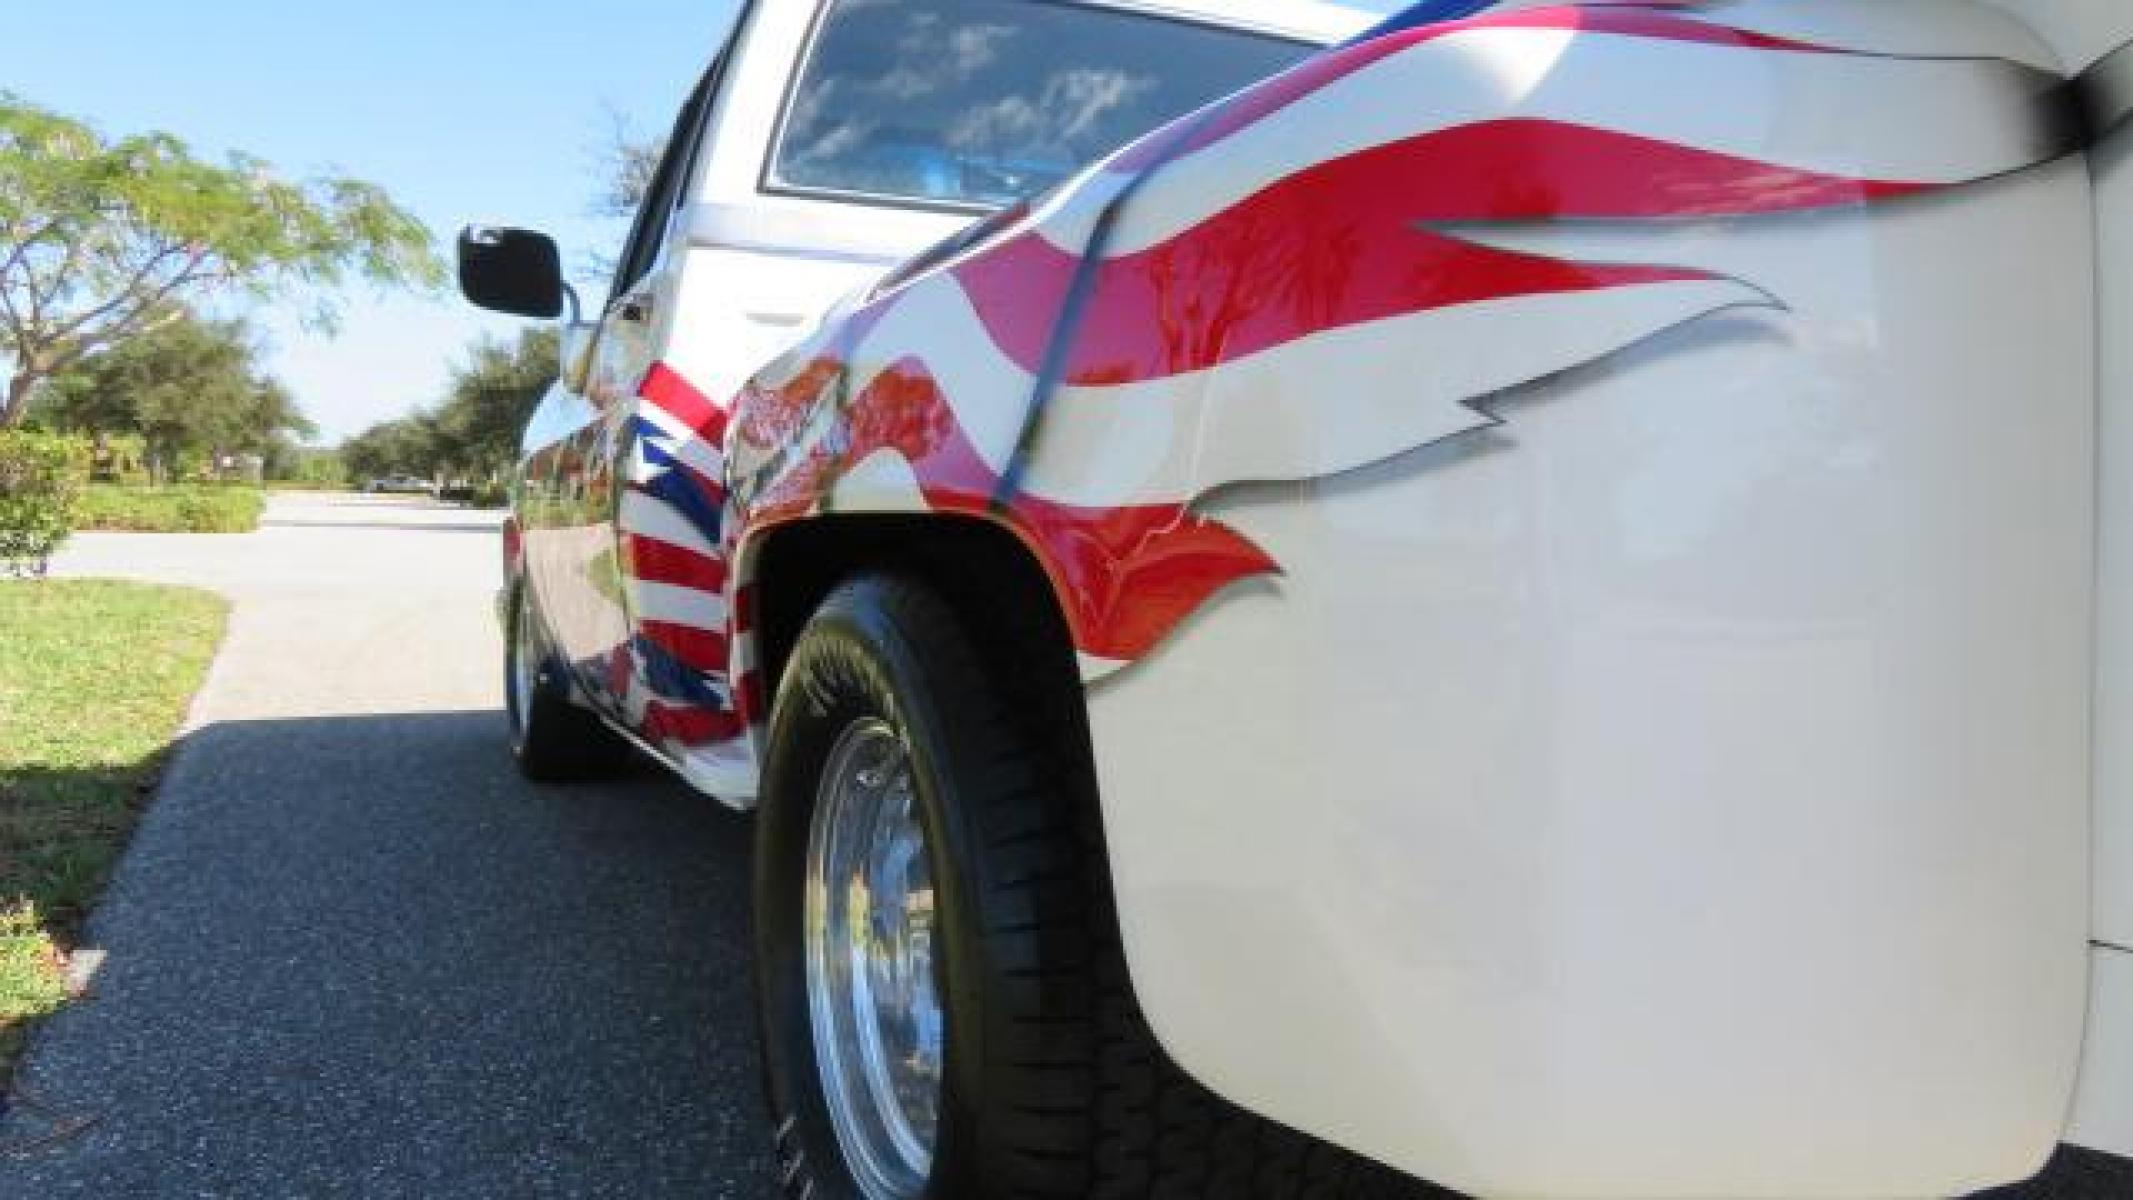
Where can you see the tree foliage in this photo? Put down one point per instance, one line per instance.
(473, 434)
(104, 239)
(493, 395)
(390, 448)
(41, 478)
(188, 387)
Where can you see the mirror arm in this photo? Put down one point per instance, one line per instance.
(570, 298)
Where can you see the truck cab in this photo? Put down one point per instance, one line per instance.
(830, 141)
(826, 143)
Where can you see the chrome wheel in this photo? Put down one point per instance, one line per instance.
(872, 996)
(525, 660)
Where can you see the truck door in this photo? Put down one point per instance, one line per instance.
(597, 626)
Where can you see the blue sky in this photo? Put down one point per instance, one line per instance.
(463, 109)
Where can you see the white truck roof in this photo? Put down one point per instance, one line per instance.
(1309, 20)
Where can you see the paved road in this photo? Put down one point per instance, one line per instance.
(351, 952)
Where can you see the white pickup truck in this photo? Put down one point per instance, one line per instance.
(1535, 600)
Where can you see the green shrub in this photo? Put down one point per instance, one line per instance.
(183, 508)
(41, 479)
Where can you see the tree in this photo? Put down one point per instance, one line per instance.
(274, 428)
(312, 466)
(102, 240)
(627, 164)
(493, 395)
(474, 432)
(400, 447)
(188, 386)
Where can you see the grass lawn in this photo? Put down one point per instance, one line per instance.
(95, 676)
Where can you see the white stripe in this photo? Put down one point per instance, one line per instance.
(782, 370)
(1095, 667)
(1912, 120)
(1343, 398)
(685, 443)
(676, 605)
(725, 769)
(650, 517)
(881, 482)
(634, 700)
(1068, 219)
(642, 469)
(1904, 28)
(1325, 403)
(1320, 404)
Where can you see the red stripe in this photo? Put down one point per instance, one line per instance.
(748, 697)
(1345, 242)
(663, 562)
(621, 668)
(675, 395)
(744, 609)
(703, 649)
(689, 725)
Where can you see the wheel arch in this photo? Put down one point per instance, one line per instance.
(991, 579)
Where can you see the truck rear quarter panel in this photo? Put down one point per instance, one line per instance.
(1705, 748)
(2084, 32)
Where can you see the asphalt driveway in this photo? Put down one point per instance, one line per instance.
(351, 952)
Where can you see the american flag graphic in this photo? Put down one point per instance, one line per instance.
(673, 677)
(1319, 273)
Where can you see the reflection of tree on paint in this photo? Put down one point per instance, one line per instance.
(1128, 573)
(773, 416)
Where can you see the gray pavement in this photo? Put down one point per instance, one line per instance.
(352, 953)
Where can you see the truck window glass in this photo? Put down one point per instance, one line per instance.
(977, 103)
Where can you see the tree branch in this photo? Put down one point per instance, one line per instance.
(22, 248)
(42, 298)
(193, 258)
(83, 344)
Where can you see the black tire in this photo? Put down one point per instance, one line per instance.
(554, 740)
(1053, 1085)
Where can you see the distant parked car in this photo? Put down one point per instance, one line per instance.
(401, 484)
(1515, 604)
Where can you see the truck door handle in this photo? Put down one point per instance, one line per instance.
(635, 309)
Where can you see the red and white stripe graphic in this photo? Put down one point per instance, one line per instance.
(1305, 285)
(675, 575)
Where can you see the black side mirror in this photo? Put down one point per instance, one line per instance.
(515, 271)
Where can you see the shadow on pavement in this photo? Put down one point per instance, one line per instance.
(2073, 1174)
(361, 955)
